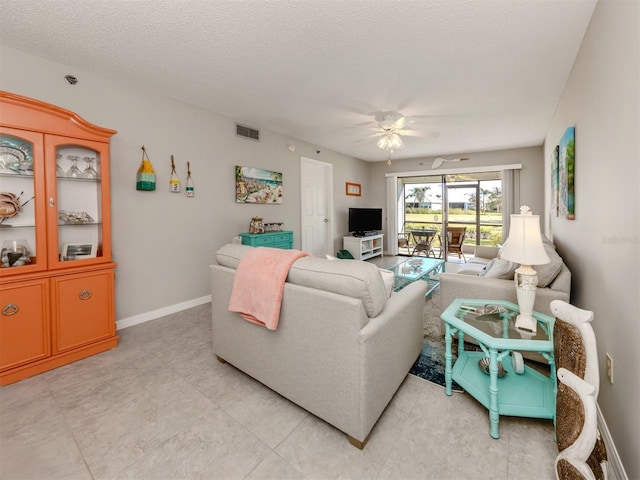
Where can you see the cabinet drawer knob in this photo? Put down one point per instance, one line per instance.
(85, 295)
(10, 309)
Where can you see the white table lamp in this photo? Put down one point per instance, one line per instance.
(524, 246)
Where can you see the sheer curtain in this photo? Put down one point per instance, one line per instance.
(510, 198)
(394, 192)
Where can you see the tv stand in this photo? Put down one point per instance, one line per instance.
(364, 248)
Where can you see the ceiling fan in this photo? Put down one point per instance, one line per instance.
(391, 127)
(439, 161)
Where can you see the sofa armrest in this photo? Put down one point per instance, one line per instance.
(389, 345)
(484, 251)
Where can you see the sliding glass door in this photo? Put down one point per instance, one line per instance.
(469, 200)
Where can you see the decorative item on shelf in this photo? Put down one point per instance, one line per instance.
(273, 227)
(78, 251)
(146, 176)
(189, 188)
(59, 171)
(75, 218)
(10, 205)
(256, 225)
(16, 157)
(89, 172)
(524, 246)
(174, 181)
(15, 253)
(74, 171)
(483, 363)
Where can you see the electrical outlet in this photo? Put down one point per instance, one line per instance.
(609, 368)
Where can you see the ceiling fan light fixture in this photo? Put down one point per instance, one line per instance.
(391, 142)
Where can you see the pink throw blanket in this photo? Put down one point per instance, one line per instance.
(258, 285)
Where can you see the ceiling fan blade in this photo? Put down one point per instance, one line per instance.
(401, 123)
(370, 124)
(429, 136)
(414, 133)
(369, 137)
(439, 161)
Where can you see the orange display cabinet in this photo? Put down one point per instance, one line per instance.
(56, 269)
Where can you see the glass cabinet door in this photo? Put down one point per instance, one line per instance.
(22, 214)
(78, 208)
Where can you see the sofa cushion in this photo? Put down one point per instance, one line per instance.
(501, 268)
(389, 279)
(549, 271)
(471, 269)
(353, 278)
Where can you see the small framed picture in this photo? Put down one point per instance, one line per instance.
(78, 251)
(354, 189)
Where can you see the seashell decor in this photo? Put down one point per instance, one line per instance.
(483, 363)
(75, 217)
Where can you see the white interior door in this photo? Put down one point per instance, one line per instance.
(316, 181)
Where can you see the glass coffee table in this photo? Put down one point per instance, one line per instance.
(418, 268)
(496, 376)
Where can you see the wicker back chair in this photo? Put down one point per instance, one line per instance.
(582, 452)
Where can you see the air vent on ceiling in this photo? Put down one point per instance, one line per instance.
(247, 132)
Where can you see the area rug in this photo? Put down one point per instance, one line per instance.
(430, 364)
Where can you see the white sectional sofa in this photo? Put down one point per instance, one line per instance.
(343, 345)
(487, 276)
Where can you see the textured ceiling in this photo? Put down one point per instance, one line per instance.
(482, 75)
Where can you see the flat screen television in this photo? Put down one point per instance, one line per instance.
(364, 220)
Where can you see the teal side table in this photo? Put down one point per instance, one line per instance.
(282, 239)
(492, 324)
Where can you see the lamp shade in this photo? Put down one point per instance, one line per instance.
(524, 245)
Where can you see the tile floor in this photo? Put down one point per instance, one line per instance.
(161, 407)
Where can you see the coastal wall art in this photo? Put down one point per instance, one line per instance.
(255, 185)
(566, 173)
(555, 187)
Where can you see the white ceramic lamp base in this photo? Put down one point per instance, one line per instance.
(526, 284)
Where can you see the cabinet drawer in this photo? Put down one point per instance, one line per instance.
(284, 246)
(281, 238)
(263, 241)
(84, 309)
(24, 323)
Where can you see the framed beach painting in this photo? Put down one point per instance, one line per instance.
(555, 181)
(255, 185)
(566, 173)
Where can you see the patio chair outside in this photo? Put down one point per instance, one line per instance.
(455, 239)
(403, 242)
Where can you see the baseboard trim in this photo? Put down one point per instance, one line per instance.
(615, 469)
(161, 312)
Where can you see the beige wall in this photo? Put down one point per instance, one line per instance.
(164, 242)
(602, 245)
